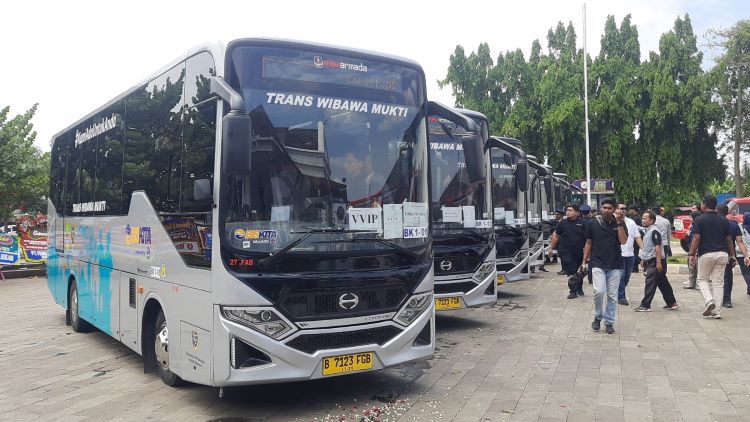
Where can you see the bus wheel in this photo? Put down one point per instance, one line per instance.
(161, 351)
(79, 325)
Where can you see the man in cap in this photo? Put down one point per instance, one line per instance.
(585, 212)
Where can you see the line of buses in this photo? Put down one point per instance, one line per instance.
(347, 208)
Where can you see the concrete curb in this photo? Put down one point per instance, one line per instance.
(21, 271)
(683, 269)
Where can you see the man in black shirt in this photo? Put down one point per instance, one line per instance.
(569, 239)
(713, 244)
(604, 235)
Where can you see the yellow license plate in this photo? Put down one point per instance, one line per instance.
(447, 303)
(347, 363)
(500, 279)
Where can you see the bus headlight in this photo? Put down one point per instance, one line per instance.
(413, 308)
(264, 321)
(483, 271)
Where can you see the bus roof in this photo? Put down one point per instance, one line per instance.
(218, 50)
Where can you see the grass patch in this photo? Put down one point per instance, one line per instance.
(681, 259)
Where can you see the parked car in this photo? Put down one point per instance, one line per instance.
(737, 208)
(681, 225)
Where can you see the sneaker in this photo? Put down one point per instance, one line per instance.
(596, 325)
(623, 301)
(572, 295)
(580, 292)
(561, 272)
(672, 307)
(642, 309)
(709, 307)
(688, 286)
(715, 315)
(609, 328)
(726, 304)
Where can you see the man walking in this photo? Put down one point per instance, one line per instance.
(692, 282)
(604, 235)
(655, 263)
(665, 229)
(628, 255)
(569, 239)
(713, 245)
(633, 215)
(739, 249)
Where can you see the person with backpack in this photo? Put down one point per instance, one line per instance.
(602, 252)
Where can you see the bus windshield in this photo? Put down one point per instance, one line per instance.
(457, 203)
(508, 205)
(339, 149)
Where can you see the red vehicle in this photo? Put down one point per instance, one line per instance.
(738, 207)
(681, 225)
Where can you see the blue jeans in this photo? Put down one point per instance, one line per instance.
(606, 283)
(627, 268)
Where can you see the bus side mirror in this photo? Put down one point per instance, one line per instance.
(236, 136)
(474, 157)
(472, 142)
(522, 175)
(202, 190)
(236, 143)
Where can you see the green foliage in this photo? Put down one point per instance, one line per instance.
(652, 124)
(24, 174)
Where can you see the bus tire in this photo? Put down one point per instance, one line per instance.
(161, 351)
(74, 311)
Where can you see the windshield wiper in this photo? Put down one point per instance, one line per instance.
(265, 262)
(470, 232)
(387, 243)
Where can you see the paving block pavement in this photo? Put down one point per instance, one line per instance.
(532, 356)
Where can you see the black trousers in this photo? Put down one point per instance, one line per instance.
(654, 280)
(571, 261)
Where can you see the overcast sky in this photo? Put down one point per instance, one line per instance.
(73, 56)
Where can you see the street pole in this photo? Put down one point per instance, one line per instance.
(738, 137)
(586, 109)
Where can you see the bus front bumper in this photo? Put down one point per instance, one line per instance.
(398, 345)
(464, 297)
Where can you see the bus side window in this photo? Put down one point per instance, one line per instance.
(153, 141)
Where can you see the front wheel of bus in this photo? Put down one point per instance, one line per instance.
(74, 315)
(161, 351)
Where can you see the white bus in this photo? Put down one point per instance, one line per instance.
(463, 235)
(310, 165)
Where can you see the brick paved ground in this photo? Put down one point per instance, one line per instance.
(531, 357)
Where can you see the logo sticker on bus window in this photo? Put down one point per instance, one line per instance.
(239, 234)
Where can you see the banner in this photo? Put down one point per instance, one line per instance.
(8, 249)
(32, 238)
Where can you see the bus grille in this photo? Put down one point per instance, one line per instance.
(316, 304)
(311, 343)
(463, 287)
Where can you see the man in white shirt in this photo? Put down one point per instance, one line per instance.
(628, 255)
(665, 230)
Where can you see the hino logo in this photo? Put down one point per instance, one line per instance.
(348, 301)
(446, 265)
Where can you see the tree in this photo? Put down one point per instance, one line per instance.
(24, 175)
(732, 77)
(653, 124)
